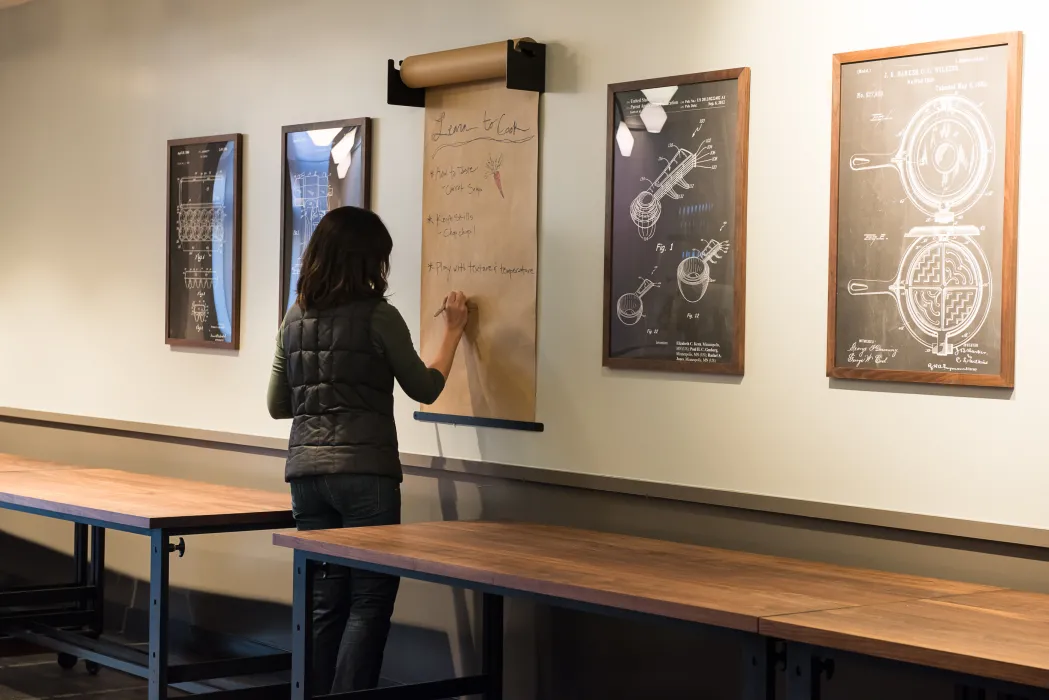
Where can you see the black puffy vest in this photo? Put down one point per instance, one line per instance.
(341, 394)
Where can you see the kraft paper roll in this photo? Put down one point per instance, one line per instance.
(484, 62)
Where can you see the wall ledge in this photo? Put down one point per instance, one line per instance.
(955, 533)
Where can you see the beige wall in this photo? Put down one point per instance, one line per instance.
(93, 88)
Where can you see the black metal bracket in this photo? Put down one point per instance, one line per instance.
(397, 93)
(525, 70)
(821, 668)
(180, 548)
(526, 66)
(777, 655)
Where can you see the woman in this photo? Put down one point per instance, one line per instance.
(339, 350)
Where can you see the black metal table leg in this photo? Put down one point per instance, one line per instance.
(80, 578)
(80, 562)
(98, 599)
(492, 645)
(806, 671)
(758, 668)
(158, 615)
(799, 672)
(302, 627)
(98, 578)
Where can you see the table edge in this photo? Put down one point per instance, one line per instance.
(413, 567)
(57, 509)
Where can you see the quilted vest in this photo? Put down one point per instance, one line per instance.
(341, 394)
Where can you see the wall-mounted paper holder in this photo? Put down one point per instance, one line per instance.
(525, 70)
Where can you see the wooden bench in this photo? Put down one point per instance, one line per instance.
(68, 619)
(730, 593)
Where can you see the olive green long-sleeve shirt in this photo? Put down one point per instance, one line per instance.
(392, 340)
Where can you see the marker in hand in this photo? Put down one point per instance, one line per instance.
(469, 305)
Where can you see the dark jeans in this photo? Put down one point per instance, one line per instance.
(351, 607)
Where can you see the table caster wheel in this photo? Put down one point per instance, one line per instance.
(92, 667)
(67, 661)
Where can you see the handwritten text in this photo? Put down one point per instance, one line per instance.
(447, 269)
(867, 352)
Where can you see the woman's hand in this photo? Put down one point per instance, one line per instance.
(455, 313)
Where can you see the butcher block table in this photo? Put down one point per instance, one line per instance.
(68, 619)
(14, 463)
(729, 593)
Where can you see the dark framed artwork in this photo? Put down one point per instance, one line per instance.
(203, 242)
(676, 223)
(324, 166)
(924, 173)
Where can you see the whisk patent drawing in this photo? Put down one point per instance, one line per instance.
(647, 206)
(693, 273)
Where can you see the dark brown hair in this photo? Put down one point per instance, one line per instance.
(347, 259)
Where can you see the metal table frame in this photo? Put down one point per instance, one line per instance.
(758, 661)
(806, 669)
(68, 619)
(809, 667)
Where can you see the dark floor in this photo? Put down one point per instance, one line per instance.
(413, 654)
(30, 677)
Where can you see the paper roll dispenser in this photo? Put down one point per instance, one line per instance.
(521, 62)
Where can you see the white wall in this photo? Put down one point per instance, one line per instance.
(92, 89)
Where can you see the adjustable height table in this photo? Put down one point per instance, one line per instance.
(723, 592)
(68, 619)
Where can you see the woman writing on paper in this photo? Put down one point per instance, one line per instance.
(339, 350)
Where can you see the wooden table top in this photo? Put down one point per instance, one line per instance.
(680, 581)
(14, 463)
(1002, 635)
(143, 501)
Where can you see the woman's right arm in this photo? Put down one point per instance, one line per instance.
(422, 382)
(455, 317)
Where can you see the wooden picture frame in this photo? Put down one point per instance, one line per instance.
(947, 217)
(356, 190)
(694, 334)
(203, 234)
